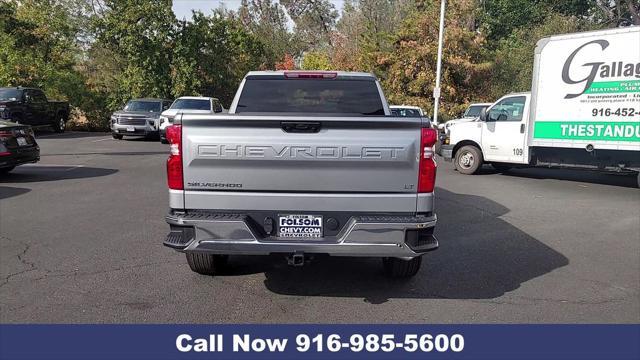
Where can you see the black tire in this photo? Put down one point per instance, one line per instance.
(206, 264)
(60, 125)
(117, 136)
(468, 160)
(400, 268)
(501, 167)
(6, 170)
(639, 179)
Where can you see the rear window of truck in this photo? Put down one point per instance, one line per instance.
(192, 104)
(323, 96)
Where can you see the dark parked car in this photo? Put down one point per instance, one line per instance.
(30, 106)
(17, 146)
(140, 117)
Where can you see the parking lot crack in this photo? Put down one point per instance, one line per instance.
(22, 258)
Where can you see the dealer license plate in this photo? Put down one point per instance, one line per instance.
(300, 226)
(22, 141)
(131, 129)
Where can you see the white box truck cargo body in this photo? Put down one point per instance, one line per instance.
(583, 110)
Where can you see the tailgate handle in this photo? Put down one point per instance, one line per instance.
(300, 126)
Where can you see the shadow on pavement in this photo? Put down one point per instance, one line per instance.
(593, 177)
(586, 176)
(116, 153)
(481, 256)
(9, 192)
(43, 134)
(39, 173)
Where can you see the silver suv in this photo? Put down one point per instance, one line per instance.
(139, 118)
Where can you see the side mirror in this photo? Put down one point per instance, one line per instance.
(218, 109)
(483, 115)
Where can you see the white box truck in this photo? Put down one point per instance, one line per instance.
(583, 110)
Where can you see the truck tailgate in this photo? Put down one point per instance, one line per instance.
(300, 154)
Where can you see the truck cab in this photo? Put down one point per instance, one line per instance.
(583, 110)
(498, 137)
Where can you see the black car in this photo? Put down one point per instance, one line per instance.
(17, 146)
(30, 106)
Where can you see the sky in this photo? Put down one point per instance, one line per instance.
(182, 8)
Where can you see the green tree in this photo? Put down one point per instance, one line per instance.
(408, 71)
(268, 21)
(500, 18)
(140, 33)
(212, 55)
(38, 47)
(314, 21)
(316, 60)
(513, 66)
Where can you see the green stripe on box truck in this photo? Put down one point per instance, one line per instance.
(587, 130)
(610, 87)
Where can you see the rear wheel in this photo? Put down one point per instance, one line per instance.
(400, 268)
(60, 125)
(6, 170)
(206, 264)
(117, 136)
(468, 160)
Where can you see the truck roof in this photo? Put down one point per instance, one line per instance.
(517, 93)
(197, 98)
(149, 99)
(338, 74)
(405, 107)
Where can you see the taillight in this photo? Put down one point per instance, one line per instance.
(174, 163)
(309, 75)
(6, 134)
(427, 167)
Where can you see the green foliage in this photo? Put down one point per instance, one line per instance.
(99, 53)
(267, 20)
(409, 69)
(38, 48)
(514, 55)
(140, 32)
(212, 54)
(314, 21)
(501, 17)
(316, 60)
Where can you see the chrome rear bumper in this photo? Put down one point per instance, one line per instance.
(375, 236)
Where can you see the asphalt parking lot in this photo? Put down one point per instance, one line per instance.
(81, 242)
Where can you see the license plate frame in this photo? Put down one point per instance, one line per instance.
(22, 141)
(300, 226)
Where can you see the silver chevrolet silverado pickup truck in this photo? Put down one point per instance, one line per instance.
(304, 163)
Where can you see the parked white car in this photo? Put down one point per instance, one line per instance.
(190, 105)
(406, 111)
(471, 114)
